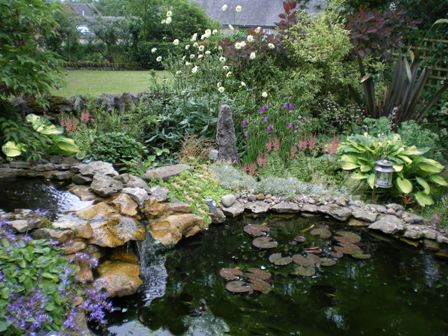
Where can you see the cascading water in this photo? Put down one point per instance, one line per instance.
(153, 271)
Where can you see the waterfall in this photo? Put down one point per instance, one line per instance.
(153, 271)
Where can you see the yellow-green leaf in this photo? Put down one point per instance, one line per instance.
(348, 158)
(437, 179)
(11, 149)
(371, 180)
(365, 168)
(405, 158)
(357, 176)
(348, 165)
(424, 184)
(398, 168)
(423, 199)
(428, 168)
(404, 185)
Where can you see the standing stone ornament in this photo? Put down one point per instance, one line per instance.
(225, 136)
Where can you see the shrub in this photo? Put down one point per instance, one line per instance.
(116, 147)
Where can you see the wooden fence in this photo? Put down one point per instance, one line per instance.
(435, 53)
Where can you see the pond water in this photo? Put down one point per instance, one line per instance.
(400, 290)
(34, 194)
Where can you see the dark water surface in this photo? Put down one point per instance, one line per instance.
(399, 291)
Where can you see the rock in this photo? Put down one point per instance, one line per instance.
(228, 200)
(164, 173)
(357, 223)
(364, 215)
(376, 208)
(235, 210)
(286, 207)
(80, 227)
(61, 175)
(155, 208)
(388, 224)
(412, 218)
(84, 275)
(337, 212)
(23, 225)
(257, 207)
(309, 208)
(138, 194)
(97, 168)
(431, 245)
(441, 239)
(74, 246)
(217, 215)
(60, 235)
(83, 192)
(394, 206)
(119, 278)
(101, 209)
(131, 181)
(116, 231)
(225, 136)
(105, 186)
(80, 179)
(125, 205)
(123, 255)
(159, 194)
(171, 229)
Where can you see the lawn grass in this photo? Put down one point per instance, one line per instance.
(95, 82)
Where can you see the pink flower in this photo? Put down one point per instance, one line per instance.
(293, 152)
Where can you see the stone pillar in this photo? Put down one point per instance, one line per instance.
(225, 136)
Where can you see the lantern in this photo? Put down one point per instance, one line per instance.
(384, 172)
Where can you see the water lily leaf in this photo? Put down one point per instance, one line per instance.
(323, 233)
(279, 260)
(327, 262)
(314, 258)
(439, 180)
(348, 236)
(300, 239)
(348, 248)
(304, 271)
(404, 185)
(239, 286)
(361, 256)
(423, 199)
(337, 254)
(256, 273)
(313, 250)
(230, 273)
(256, 230)
(424, 184)
(305, 261)
(260, 286)
(264, 243)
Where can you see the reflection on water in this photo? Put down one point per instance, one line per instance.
(399, 291)
(36, 194)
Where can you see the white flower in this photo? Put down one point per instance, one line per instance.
(153, 50)
(195, 44)
(159, 59)
(243, 84)
(252, 55)
(229, 74)
(187, 47)
(221, 89)
(187, 63)
(201, 48)
(214, 31)
(194, 70)
(200, 56)
(238, 8)
(208, 52)
(258, 30)
(208, 32)
(231, 27)
(192, 56)
(224, 7)
(178, 72)
(176, 42)
(169, 13)
(237, 45)
(218, 85)
(163, 21)
(222, 59)
(203, 37)
(243, 44)
(250, 38)
(271, 46)
(194, 37)
(219, 48)
(184, 57)
(225, 67)
(168, 20)
(264, 94)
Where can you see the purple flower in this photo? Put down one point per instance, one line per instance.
(245, 123)
(289, 106)
(291, 126)
(262, 109)
(246, 134)
(265, 120)
(270, 129)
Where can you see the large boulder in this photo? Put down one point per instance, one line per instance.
(286, 207)
(125, 205)
(336, 211)
(97, 168)
(138, 194)
(171, 229)
(235, 210)
(119, 278)
(165, 172)
(228, 200)
(116, 231)
(132, 181)
(364, 215)
(257, 207)
(105, 186)
(388, 224)
(101, 209)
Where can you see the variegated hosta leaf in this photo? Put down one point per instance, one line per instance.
(371, 180)
(423, 200)
(404, 185)
(424, 184)
(437, 179)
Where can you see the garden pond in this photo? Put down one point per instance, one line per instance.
(400, 290)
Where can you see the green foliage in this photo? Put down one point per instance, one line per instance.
(26, 67)
(438, 212)
(414, 173)
(194, 188)
(116, 147)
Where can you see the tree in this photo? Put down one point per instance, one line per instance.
(26, 66)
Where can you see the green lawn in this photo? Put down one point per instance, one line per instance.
(94, 83)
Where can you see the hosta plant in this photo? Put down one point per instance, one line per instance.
(414, 174)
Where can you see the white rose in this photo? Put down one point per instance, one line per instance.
(224, 7)
(187, 63)
(243, 44)
(159, 59)
(200, 56)
(194, 70)
(264, 94)
(250, 38)
(271, 46)
(153, 50)
(221, 89)
(176, 42)
(252, 55)
(168, 20)
(195, 44)
(238, 8)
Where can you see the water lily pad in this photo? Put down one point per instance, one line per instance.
(299, 239)
(314, 258)
(305, 261)
(256, 230)
(239, 286)
(361, 256)
(304, 271)
(277, 259)
(348, 248)
(264, 243)
(230, 273)
(326, 262)
(313, 250)
(322, 232)
(260, 286)
(348, 236)
(256, 273)
(336, 254)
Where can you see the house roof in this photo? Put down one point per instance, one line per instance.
(263, 13)
(83, 9)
